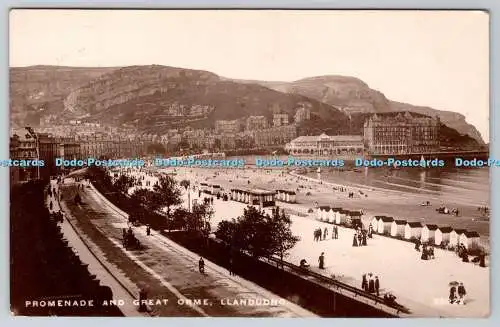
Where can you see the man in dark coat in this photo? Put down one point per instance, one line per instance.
(336, 232)
(201, 265)
(355, 240)
(461, 293)
(377, 285)
(364, 283)
(453, 295)
(371, 283)
(364, 238)
(321, 261)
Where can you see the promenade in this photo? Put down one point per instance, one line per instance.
(95, 266)
(169, 272)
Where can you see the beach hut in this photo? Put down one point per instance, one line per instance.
(343, 216)
(384, 225)
(442, 236)
(374, 223)
(470, 240)
(204, 187)
(215, 189)
(331, 216)
(429, 233)
(336, 215)
(354, 219)
(455, 236)
(322, 212)
(286, 196)
(398, 228)
(413, 230)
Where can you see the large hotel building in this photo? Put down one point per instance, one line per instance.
(401, 133)
(325, 145)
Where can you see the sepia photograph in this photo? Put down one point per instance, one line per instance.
(249, 163)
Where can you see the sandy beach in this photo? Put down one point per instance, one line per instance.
(400, 205)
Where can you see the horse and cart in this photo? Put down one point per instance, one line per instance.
(130, 242)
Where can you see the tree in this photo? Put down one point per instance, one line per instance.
(226, 230)
(258, 233)
(199, 219)
(146, 198)
(123, 183)
(179, 219)
(282, 240)
(168, 193)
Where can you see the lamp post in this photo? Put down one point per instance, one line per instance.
(35, 136)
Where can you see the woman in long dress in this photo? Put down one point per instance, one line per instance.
(355, 240)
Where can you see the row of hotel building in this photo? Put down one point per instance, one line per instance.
(399, 133)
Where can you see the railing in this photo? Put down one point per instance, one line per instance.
(340, 285)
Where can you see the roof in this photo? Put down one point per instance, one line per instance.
(400, 222)
(431, 227)
(356, 213)
(471, 234)
(414, 224)
(446, 229)
(378, 217)
(387, 219)
(324, 137)
(324, 207)
(336, 209)
(460, 231)
(286, 191)
(254, 191)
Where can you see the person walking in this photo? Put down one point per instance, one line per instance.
(371, 283)
(364, 283)
(453, 294)
(321, 261)
(201, 265)
(377, 285)
(336, 232)
(461, 294)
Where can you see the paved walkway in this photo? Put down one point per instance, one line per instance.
(95, 267)
(169, 271)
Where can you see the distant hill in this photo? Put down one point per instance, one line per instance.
(352, 95)
(155, 98)
(37, 91)
(144, 96)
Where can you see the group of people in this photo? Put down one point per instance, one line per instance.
(457, 294)
(359, 238)
(321, 235)
(208, 201)
(370, 284)
(427, 252)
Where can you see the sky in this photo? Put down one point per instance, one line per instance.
(429, 58)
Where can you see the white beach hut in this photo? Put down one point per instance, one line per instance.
(398, 228)
(442, 236)
(429, 233)
(336, 215)
(470, 240)
(455, 236)
(413, 230)
(374, 223)
(384, 225)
